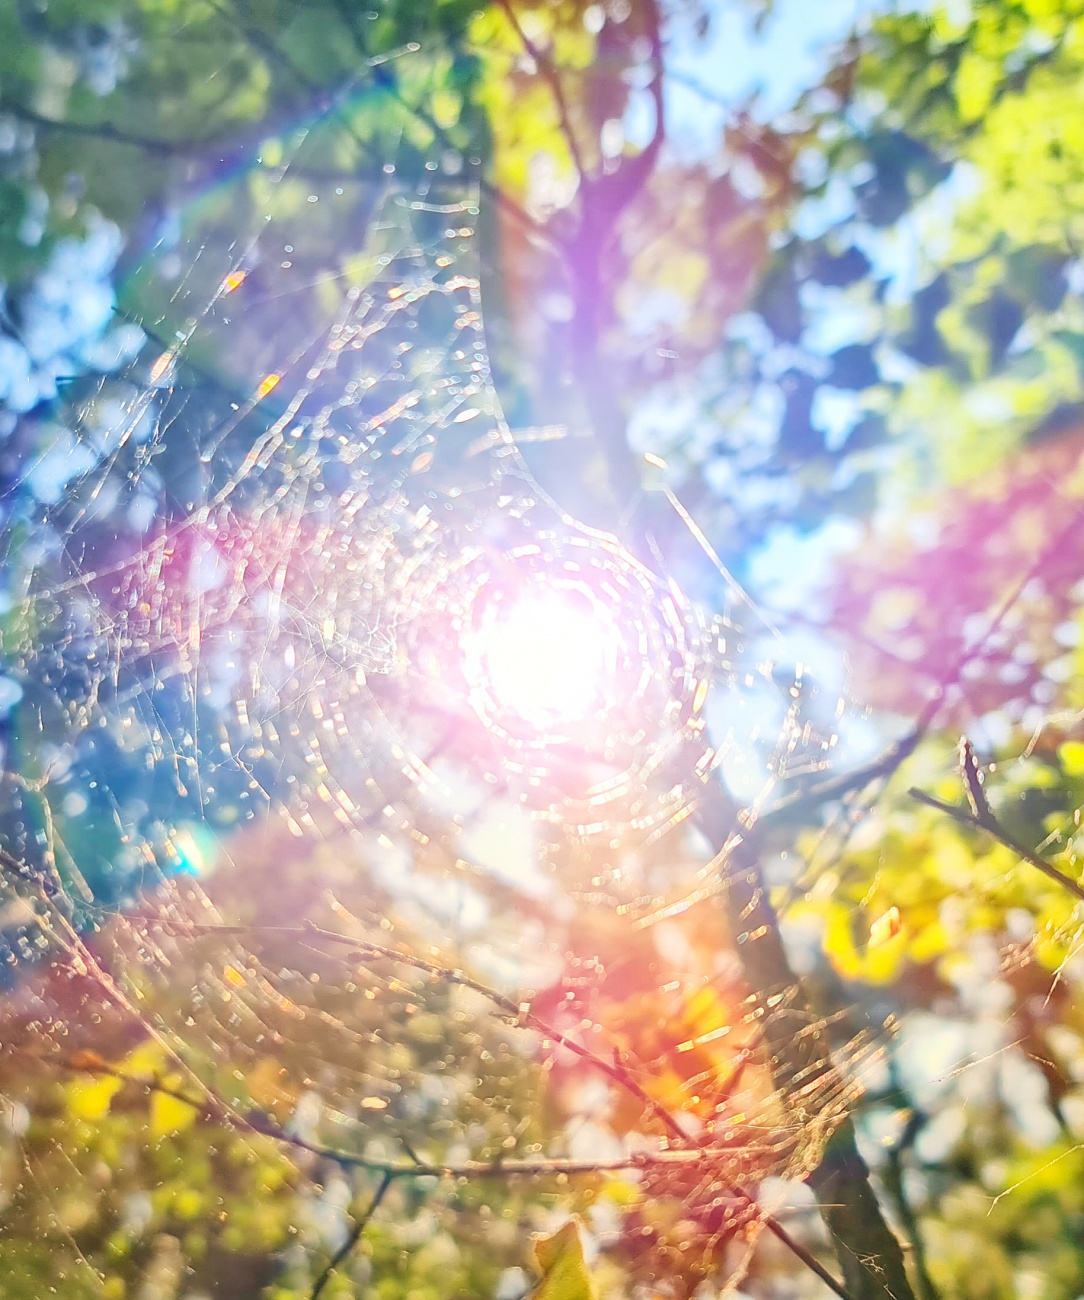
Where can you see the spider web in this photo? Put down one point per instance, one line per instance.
(253, 624)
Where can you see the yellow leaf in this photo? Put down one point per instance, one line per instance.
(1071, 755)
(188, 1204)
(564, 1272)
(271, 153)
(930, 942)
(144, 1062)
(622, 1193)
(839, 941)
(882, 963)
(1049, 953)
(885, 927)
(91, 1098)
(976, 81)
(170, 1115)
(704, 1011)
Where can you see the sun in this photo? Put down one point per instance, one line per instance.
(548, 655)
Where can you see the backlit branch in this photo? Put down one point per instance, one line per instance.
(352, 1240)
(549, 71)
(683, 1152)
(982, 817)
(259, 1124)
(518, 1013)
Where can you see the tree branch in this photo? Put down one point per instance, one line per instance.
(555, 1166)
(262, 1125)
(799, 1056)
(352, 1240)
(982, 817)
(896, 1187)
(839, 787)
(603, 200)
(552, 76)
(107, 131)
(517, 1012)
(801, 1062)
(521, 1014)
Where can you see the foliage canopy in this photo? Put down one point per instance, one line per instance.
(484, 578)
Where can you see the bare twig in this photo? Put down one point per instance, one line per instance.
(550, 72)
(352, 1240)
(895, 1185)
(851, 782)
(982, 817)
(260, 1124)
(517, 1012)
(556, 1166)
(969, 770)
(520, 1013)
(106, 131)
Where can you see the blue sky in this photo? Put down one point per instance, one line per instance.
(785, 58)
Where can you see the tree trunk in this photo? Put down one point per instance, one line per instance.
(868, 1252)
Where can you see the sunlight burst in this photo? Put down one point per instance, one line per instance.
(550, 656)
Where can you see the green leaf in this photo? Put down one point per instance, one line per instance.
(564, 1271)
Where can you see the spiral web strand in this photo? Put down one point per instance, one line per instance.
(251, 643)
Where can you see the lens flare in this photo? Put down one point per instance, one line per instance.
(549, 655)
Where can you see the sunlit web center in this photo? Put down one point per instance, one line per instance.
(549, 656)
